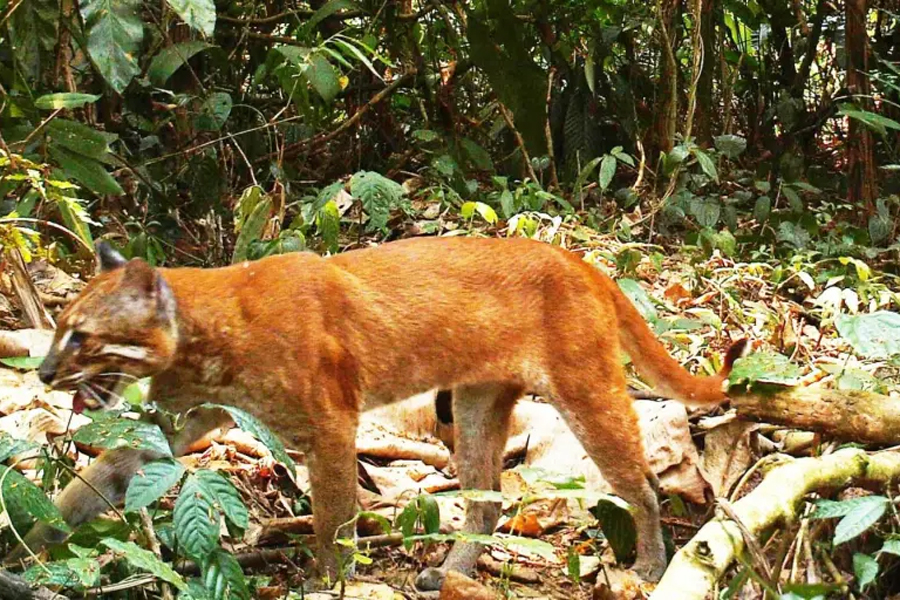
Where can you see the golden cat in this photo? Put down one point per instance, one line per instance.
(305, 343)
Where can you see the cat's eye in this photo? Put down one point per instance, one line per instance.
(76, 340)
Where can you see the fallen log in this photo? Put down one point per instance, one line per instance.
(697, 567)
(849, 415)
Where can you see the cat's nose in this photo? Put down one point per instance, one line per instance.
(47, 371)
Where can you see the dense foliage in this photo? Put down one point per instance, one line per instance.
(727, 120)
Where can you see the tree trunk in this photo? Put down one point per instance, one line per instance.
(861, 185)
(704, 114)
(667, 100)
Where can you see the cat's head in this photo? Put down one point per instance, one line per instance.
(121, 327)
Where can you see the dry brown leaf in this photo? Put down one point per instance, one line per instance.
(727, 455)
(677, 294)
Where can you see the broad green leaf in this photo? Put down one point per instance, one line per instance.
(252, 228)
(891, 546)
(257, 429)
(706, 164)
(145, 560)
(618, 526)
(873, 335)
(328, 9)
(226, 497)
(764, 367)
(762, 208)
(622, 156)
(793, 198)
(151, 482)
(857, 522)
(607, 171)
(23, 363)
(123, 433)
(431, 513)
(198, 14)
(322, 76)
(879, 228)
(872, 120)
(865, 568)
(172, 58)
(76, 219)
(507, 203)
(427, 135)
(378, 196)
(468, 210)
(707, 211)
(114, 35)
(481, 158)
(77, 573)
(224, 578)
(731, 146)
(10, 446)
(196, 519)
(64, 100)
(214, 111)
(87, 171)
(78, 138)
(639, 298)
(25, 501)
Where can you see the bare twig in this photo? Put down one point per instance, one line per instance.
(519, 140)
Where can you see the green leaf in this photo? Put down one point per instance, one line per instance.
(196, 519)
(76, 219)
(200, 15)
(257, 429)
(731, 146)
(891, 546)
(586, 171)
(78, 138)
(706, 164)
(762, 208)
(617, 526)
(468, 210)
(114, 36)
(793, 198)
(427, 135)
(328, 9)
(25, 501)
(151, 482)
(480, 157)
(622, 156)
(64, 100)
(252, 229)
(873, 335)
(607, 171)
(707, 211)
(214, 111)
(23, 363)
(639, 298)
(87, 171)
(10, 446)
(573, 564)
(378, 196)
(880, 227)
(224, 578)
(860, 514)
(226, 497)
(171, 59)
(77, 573)
(144, 560)
(872, 120)
(764, 367)
(322, 76)
(507, 203)
(865, 568)
(123, 433)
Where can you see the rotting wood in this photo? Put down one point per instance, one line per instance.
(697, 567)
(29, 300)
(850, 415)
(13, 587)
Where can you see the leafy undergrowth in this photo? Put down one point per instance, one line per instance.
(229, 521)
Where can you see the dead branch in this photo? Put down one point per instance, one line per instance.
(13, 587)
(35, 314)
(698, 566)
(849, 415)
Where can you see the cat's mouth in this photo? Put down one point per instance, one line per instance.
(91, 395)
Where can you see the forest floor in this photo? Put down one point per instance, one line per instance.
(697, 304)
